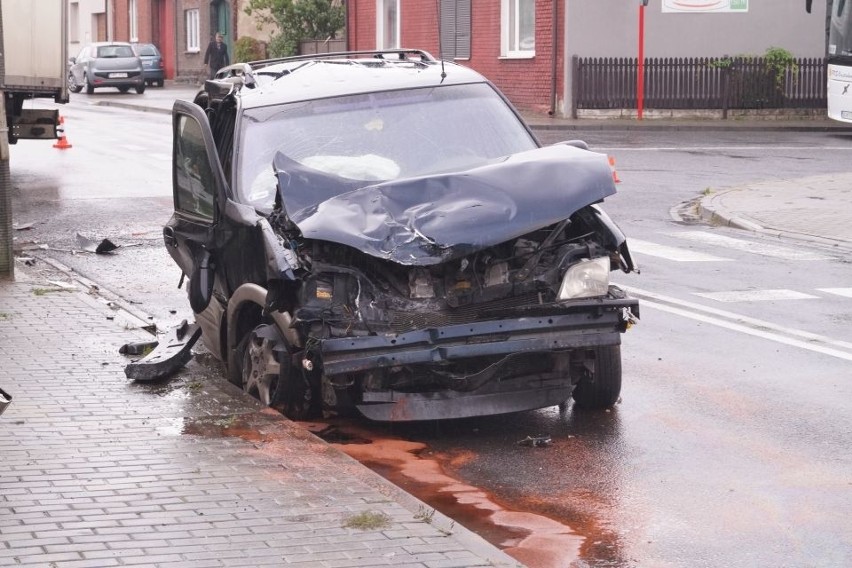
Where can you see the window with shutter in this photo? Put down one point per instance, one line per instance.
(455, 29)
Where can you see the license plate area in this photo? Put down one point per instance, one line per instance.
(118, 75)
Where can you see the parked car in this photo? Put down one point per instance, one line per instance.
(108, 64)
(381, 232)
(152, 63)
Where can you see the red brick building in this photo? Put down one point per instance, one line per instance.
(146, 21)
(181, 29)
(514, 43)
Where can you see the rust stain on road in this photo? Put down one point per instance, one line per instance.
(534, 540)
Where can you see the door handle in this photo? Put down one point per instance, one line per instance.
(169, 237)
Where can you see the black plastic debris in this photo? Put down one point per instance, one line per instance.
(536, 441)
(89, 245)
(168, 356)
(5, 400)
(138, 347)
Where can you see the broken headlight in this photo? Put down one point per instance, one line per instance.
(586, 279)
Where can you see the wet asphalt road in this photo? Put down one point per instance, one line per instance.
(730, 446)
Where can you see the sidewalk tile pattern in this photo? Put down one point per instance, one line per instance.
(96, 471)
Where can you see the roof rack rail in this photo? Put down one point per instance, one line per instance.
(401, 54)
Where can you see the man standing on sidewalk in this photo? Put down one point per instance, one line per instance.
(216, 56)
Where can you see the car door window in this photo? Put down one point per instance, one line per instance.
(195, 189)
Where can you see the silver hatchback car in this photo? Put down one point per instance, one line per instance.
(113, 64)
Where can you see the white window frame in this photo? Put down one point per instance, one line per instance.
(132, 21)
(193, 19)
(510, 32)
(381, 10)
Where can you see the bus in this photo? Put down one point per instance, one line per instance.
(839, 59)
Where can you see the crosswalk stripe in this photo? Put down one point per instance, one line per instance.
(761, 328)
(671, 253)
(755, 295)
(838, 291)
(764, 249)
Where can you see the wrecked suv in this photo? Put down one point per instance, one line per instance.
(381, 232)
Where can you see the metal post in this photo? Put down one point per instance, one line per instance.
(7, 258)
(640, 71)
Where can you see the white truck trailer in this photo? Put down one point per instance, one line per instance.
(33, 64)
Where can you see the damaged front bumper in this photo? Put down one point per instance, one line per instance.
(555, 327)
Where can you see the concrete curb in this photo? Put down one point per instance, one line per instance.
(710, 210)
(686, 126)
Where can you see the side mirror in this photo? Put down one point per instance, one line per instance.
(201, 284)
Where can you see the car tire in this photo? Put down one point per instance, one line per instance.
(123, 89)
(602, 388)
(72, 84)
(290, 392)
(140, 89)
(90, 89)
(160, 83)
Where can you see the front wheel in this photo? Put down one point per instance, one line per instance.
(602, 387)
(267, 374)
(73, 86)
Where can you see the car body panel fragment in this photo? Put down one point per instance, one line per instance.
(167, 357)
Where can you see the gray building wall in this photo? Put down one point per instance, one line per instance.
(610, 28)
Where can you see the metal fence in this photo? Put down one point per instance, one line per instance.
(312, 46)
(699, 83)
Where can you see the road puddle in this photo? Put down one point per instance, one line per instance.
(534, 540)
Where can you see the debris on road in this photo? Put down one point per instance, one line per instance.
(138, 347)
(89, 245)
(5, 400)
(168, 356)
(536, 441)
(22, 226)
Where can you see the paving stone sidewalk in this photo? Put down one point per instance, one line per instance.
(96, 471)
(815, 208)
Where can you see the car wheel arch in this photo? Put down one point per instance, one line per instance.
(245, 312)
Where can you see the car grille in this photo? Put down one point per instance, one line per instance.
(518, 365)
(403, 321)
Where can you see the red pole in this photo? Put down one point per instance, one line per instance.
(640, 73)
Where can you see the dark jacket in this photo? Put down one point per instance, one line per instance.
(216, 55)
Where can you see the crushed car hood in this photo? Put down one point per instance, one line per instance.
(431, 219)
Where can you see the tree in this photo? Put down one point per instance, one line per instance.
(298, 20)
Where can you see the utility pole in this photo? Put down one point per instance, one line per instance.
(640, 71)
(7, 258)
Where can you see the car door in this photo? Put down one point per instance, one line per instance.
(200, 193)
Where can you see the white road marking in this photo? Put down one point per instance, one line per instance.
(751, 326)
(838, 291)
(671, 253)
(133, 148)
(764, 249)
(161, 157)
(755, 295)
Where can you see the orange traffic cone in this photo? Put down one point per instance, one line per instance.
(63, 141)
(614, 173)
